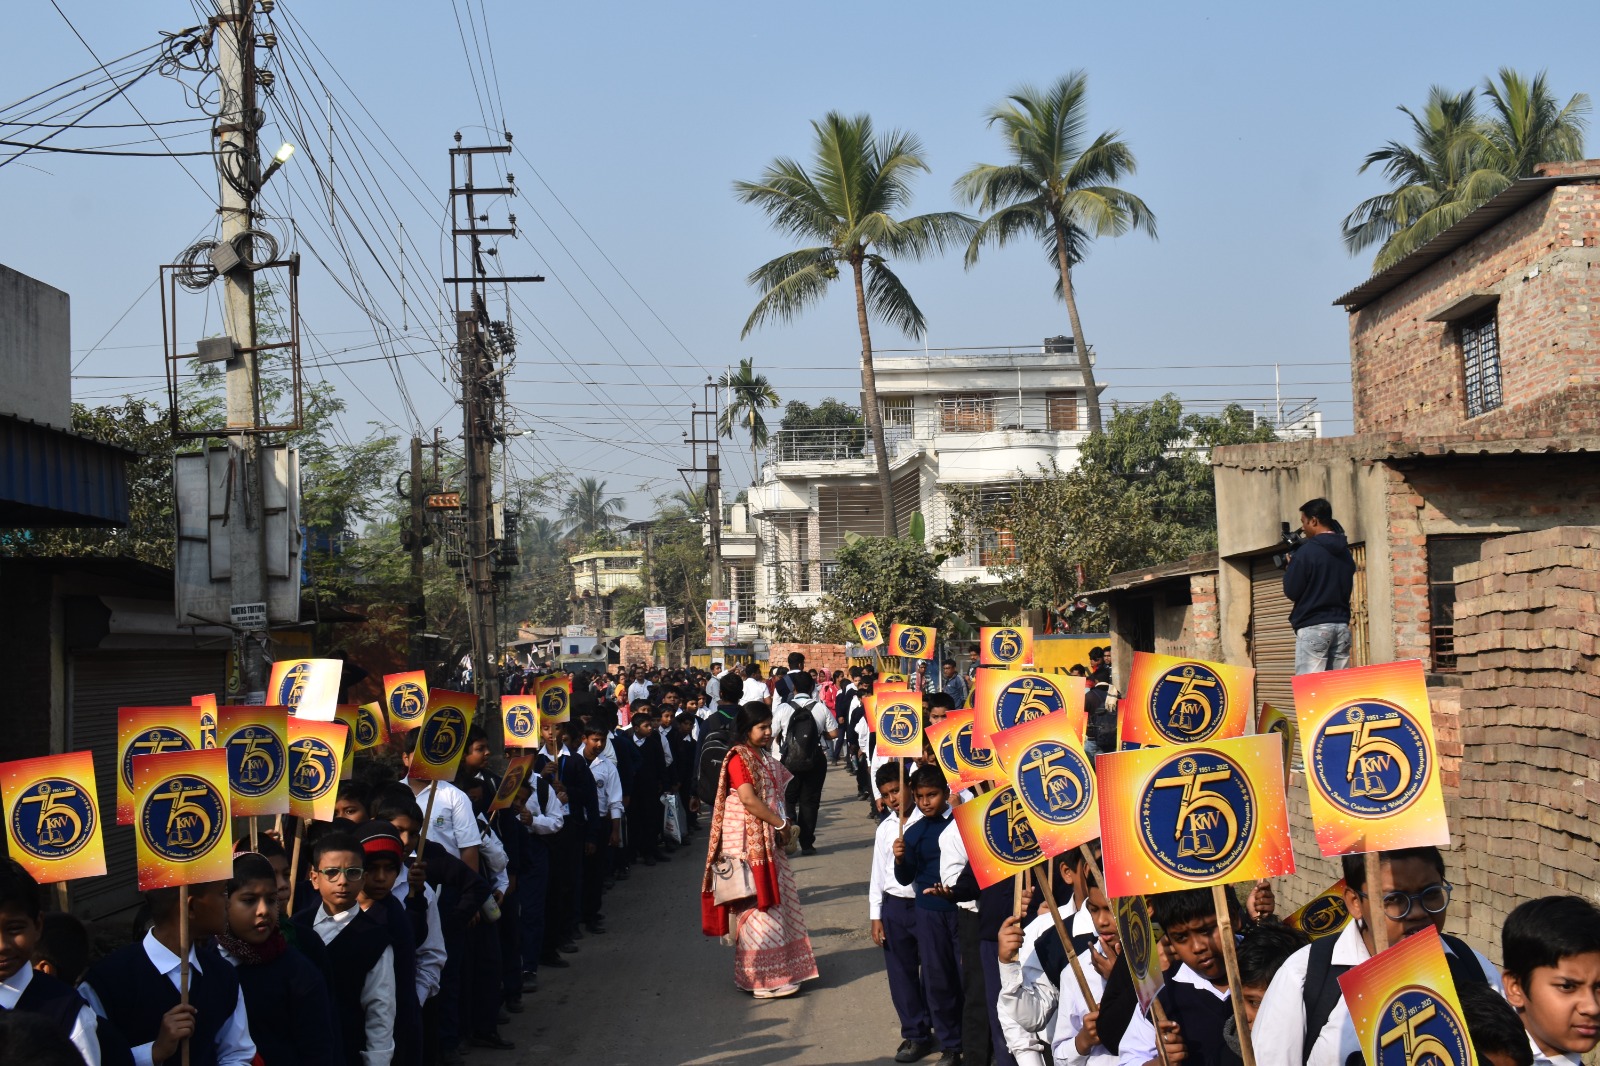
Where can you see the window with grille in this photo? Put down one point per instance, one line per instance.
(1480, 359)
(1445, 553)
(895, 411)
(996, 547)
(968, 413)
(1061, 411)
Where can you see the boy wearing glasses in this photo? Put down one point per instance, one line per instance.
(360, 957)
(1303, 1020)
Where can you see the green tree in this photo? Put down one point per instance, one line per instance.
(1058, 188)
(798, 437)
(1458, 158)
(845, 203)
(588, 510)
(749, 394)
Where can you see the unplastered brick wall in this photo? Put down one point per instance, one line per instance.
(636, 651)
(823, 658)
(1527, 821)
(1543, 262)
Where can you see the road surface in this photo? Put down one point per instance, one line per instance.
(653, 991)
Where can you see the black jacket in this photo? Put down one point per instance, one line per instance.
(1319, 579)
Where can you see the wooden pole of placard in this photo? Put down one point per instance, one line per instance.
(255, 833)
(294, 860)
(1377, 921)
(1066, 941)
(901, 831)
(422, 835)
(1016, 895)
(1230, 955)
(183, 959)
(62, 903)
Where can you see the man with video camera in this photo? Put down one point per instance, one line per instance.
(1318, 578)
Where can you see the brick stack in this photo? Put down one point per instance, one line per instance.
(1528, 817)
(823, 658)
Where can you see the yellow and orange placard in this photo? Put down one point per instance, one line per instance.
(1372, 766)
(1138, 940)
(912, 642)
(1006, 698)
(443, 739)
(942, 740)
(998, 835)
(1272, 720)
(405, 695)
(53, 816)
(1005, 645)
(517, 771)
(1325, 915)
(869, 707)
(555, 699)
(207, 706)
(521, 714)
(150, 731)
(315, 751)
(308, 687)
(1173, 700)
(977, 760)
(868, 633)
(1044, 759)
(1193, 816)
(180, 815)
(349, 716)
(897, 719)
(257, 742)
(1404, 1006)
(372, 728)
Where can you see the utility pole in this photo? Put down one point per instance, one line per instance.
(419, 605)
(238, 162)
(479, 343)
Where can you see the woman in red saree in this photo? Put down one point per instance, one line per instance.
(771, 951)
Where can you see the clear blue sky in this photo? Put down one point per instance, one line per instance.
(1249, 122)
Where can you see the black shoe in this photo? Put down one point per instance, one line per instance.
(647, 860)
(950, 1058)
(595, 928)
(569, 948)
(530, 981)
(806, 849)
(554, 961)
(914, 1050)
(503, 1016)
(514, 1006)
(500, 1043)
(662, 856)
(622, 874)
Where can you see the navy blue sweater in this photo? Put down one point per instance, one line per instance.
(1319, 579)
(920, 866)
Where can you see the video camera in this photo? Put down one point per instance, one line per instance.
(1293, 538)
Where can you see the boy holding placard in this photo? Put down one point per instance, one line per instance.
(22, 987)
(891, 910)
(136, 987)
(1195, 996)
(916, 863)
(1551, 948)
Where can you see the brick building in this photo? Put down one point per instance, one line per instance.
(1475, 366)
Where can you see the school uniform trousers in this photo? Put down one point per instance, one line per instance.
(937, 931)
(893, 904)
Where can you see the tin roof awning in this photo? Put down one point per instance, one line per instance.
(53, 478)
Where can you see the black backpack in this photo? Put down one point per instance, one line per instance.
(716, 738)
(802, 744)
(1321, 993)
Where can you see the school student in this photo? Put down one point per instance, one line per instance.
(453, 828)
(1262, 950)
(136, 986)
(608, 832)
(25, 988)
(1303, 1019)
(1551, 951)
(403, 917)
(482, 980)
(1498, 1038)
(891, 909)
(540, 812)
(359, 952)
(290, 1012)
(353, 802)
(917, 864)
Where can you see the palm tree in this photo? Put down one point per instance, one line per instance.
(845, 204)
(589, 510)
(1459, 159)
(1056, 189)
(541, 537)
(749, 394)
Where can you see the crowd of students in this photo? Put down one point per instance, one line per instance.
(975, 981)
(370, 953)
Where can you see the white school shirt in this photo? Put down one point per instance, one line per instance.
(1541, 1059)
(1078, 922)
(377, 989)
(454, 826)
(609, 785)
(1021, 1038)
(1071, 1013)
(882, 881)
(952, 857)
(495, 860)
(713, 690)
(1139, 1041)
(1281, 1022)
(544, 819)
(639, 690)
(784, 713)
(430, 953)
(83, 1026)
(234, 1045)
(753, 691)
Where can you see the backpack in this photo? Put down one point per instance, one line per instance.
(802, 744)
(1321, 992)
(716, 739)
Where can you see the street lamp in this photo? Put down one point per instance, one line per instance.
(279, 158)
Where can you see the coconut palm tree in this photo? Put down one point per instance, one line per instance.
(1059, 188)
(588, 510)
(749, 394)
(1459, 158)
(844, 206)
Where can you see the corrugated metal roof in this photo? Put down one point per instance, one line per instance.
(1496, 209)
(1194, 564)
(54, 478)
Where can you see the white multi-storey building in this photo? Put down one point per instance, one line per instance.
(953, 418)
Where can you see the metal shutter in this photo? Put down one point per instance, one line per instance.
(99, 683)
(1271, 638)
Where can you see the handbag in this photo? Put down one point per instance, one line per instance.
(731, 880)
(672, 823)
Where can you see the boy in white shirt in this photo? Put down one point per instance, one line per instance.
(891, 907)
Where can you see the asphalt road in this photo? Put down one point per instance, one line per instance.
(653, 991)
